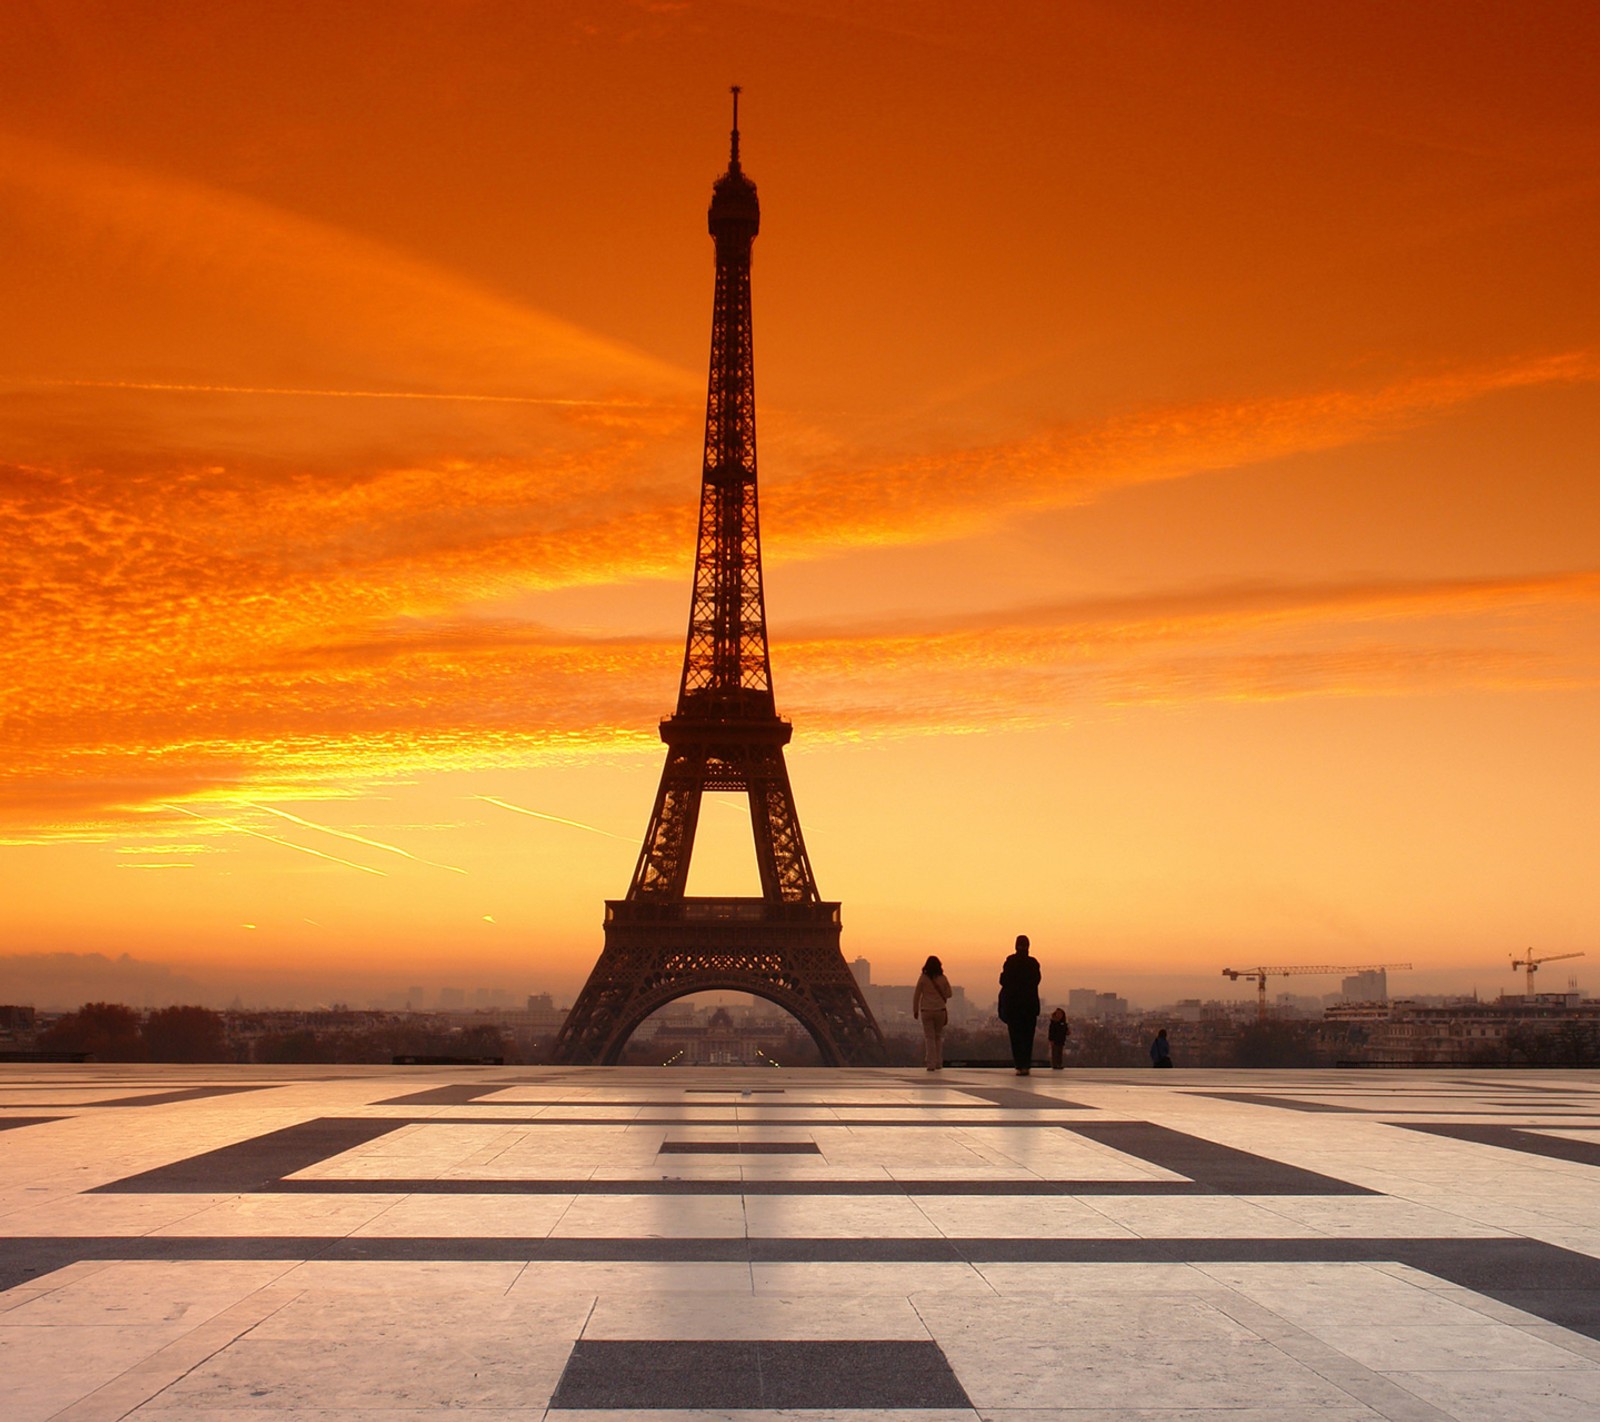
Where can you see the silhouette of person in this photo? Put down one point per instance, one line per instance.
(1058, 1032)
(928, 1001)
(1019, 1003)
(1160, 1050)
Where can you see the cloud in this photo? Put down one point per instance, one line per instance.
(267, 478)
(447, 693)
(956, 493)
(265, 289)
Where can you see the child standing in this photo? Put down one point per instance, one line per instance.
(1058, 1033)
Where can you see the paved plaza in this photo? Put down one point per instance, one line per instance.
(348, 1244)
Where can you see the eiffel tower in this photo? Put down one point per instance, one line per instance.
(725, 735)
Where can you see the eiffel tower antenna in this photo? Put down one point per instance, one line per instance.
(724, 735)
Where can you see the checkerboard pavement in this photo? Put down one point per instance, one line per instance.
(373, 1244)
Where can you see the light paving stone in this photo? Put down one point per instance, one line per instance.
(147, 1293)
(1021, 1218)
(1479, 1395)
(854, 1281)
(468, 1217)
(652, 1217)
(590, 1278)
(690, 1316)
(846, 1217)
(1050, 1281)
(250, 1216)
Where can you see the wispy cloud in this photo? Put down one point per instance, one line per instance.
(957, 492)
(353, 838)
(218, 259)
(273, 839)
(456, 397)
(427, 694)
(540, 815)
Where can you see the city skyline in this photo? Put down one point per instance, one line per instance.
(1179, 442)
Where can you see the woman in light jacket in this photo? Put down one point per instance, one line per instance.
(928, 1001)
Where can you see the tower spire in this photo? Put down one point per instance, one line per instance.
(733, 155)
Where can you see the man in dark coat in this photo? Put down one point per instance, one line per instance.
(1019, 1003)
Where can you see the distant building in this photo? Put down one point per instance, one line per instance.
(1298, 1004)
(721, 1041)
(1370, 986)
(1466, 1030)
(452, 998)
(862, 971)
(890, 1004)
(543, 1015)
(1085, 1003)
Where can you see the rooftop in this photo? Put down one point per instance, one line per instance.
(251, 1244)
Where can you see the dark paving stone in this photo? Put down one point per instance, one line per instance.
(1577, 1309)
(255, 1164)
(1498, 1266)
(854, 1251)
(1287, 1103)
(24, 1260)
(1510, 1138)
(614, 1374)
(1218, 1168)
(153, 1098)
(260, 1165)
(446, 1096)
(1015, 1098)
(742, 1375)
(738, 1148)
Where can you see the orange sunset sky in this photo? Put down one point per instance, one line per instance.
(1180, 445)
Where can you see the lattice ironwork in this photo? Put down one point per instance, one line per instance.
(725, 735)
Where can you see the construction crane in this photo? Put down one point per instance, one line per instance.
(1532, 964)
(1259, 976)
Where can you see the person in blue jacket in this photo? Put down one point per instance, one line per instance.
(1160, 1050)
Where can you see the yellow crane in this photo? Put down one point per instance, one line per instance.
(1532, 964)
(1259, 976)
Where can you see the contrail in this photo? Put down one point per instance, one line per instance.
(356, 838)
(180, 389)
(273, 839)
(554, 819)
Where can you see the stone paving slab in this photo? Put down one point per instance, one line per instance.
(225, 1244)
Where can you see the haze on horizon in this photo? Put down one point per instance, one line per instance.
(1179, 433)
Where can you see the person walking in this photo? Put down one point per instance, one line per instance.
(1019, 1003)
(928, 1001)
(1058, 1032)
(1160, 1050)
